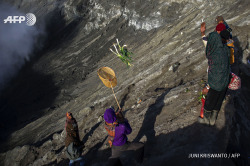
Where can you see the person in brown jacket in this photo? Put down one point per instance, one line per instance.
(72, 141)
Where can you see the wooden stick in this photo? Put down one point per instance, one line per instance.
(115, 96)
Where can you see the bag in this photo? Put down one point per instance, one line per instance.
(231, 55)
(235, 82)
(73, 152)
(230, 45)
(202, 108)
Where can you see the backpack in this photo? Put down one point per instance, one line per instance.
(73, 152)
(230, 45)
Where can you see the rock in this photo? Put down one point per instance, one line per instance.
(2, 157)
(170, 68)
(15, 156)
(143, 139)
(47, 144)
(63, 134)
(38, 162)
(100, 119)
(85, 112)
(175, 66)
(49, 156)
(57, 136)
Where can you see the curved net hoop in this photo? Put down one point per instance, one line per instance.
(107, 75)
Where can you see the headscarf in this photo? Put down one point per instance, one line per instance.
(217, 54)
(69, 115)
(225, 34)
(220, 27)
(109, 115)
(219, 19)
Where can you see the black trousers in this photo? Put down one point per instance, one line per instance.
(117, 151)
(214, 99)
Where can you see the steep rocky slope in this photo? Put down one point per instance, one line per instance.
(169, 64)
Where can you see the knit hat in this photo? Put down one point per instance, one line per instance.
(225, 34)
(220, 27)
(219, 18)
(109, 115)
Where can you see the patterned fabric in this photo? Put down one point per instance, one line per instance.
(117, 133)
(218, 62)
(235, 82)
(110, 127)
(72, 133)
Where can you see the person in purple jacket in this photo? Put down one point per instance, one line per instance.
(118, 128)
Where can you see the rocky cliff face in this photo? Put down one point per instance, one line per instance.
(168, 64)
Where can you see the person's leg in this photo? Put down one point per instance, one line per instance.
(210, 102)
(211, 99)
(81, 160)
(138, 148)
(134, 145)
(220, 99)
(206, 117)
(71, 163)
(118, 150)
(217, 107)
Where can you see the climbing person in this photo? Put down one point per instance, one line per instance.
(72, 141)
(118, 128)
(220, 19)
(217, 54)
(220, 27)
(225, 36)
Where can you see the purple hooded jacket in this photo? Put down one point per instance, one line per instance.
(121, 130)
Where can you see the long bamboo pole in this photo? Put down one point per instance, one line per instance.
(115, 96)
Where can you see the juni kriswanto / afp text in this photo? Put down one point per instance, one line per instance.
(213, 155)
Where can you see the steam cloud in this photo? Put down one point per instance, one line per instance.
(17, 41)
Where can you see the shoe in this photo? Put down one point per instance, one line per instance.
(206, 118)
(213, 117)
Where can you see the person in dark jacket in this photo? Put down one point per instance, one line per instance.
(217, 54)
(72, 136)
(220, 19)
(118, 131)
(219, 28)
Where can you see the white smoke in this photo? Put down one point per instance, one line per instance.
(17, 41)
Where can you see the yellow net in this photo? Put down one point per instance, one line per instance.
(107, 75)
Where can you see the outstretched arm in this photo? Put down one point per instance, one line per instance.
(203, 29)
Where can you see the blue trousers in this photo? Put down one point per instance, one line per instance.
(80, 159)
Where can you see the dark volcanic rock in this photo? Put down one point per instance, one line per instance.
(158, 93)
